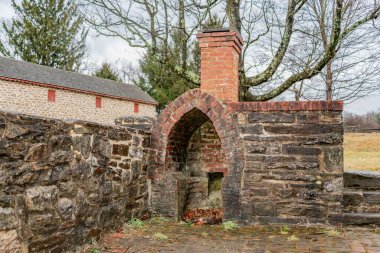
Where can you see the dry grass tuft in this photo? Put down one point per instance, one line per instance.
(362, 151)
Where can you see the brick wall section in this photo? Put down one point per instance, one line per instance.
(220, 52)
(204, 151)
(33, 100)
(64, 183)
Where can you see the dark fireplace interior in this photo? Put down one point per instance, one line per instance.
(195, 158)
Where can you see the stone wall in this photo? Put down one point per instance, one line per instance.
(63, 183)
(293, 165)
(33, 100)
(361, 198)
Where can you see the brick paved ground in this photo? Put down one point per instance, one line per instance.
(265, 239)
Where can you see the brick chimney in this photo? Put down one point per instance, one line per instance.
(220, 52)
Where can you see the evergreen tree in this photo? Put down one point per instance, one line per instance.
(158, 79)
(46, 32)
(106, 72)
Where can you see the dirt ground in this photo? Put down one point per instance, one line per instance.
(362, 151)
(161, 235)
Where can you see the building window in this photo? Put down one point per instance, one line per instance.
(136, 108)
(98, 102)
(51, 95)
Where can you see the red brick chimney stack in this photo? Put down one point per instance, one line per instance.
(220, 52)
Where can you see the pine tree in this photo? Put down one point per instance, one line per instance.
(46, 32)
(106, 72)
(158, 78)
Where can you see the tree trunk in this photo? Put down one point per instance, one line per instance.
(166, 38)
(233, 13)
(329, 77)
(182, 28)
(297, 95)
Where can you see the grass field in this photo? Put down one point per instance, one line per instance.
(362, 151)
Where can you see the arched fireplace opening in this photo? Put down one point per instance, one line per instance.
(194, 156)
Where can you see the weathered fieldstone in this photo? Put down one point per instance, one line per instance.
(13, 130)
(136, 169)
(60, 143)
(41, 198)
(37, 153)
(9, 242)
(143, 123)
(136, 152)
(119, 136)
(125, 166)
(334, 185)
(2, 124)
(299, 150)
(333, 159)
(362, 180)
(83, 145)
(265, 209)
(59, 157)
(7, 218)
(252, 129)
(105, 149)
(304, 129)
(65, 208)
(270, 117)
(119, 149)
(352, 198)
(45, 223)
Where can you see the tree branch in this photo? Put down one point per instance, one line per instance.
(293, 7)
(310, 72)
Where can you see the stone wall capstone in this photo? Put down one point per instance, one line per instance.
(62, 183)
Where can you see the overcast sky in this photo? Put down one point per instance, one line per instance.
(102, 49)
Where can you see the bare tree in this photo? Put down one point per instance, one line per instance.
(368, 120)
(127, 71)
(354, 71)
(269, 27)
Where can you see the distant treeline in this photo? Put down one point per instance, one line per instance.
(357, 122)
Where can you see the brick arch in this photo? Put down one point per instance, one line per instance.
(186, 113)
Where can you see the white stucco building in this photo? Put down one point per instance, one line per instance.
(48, 92)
